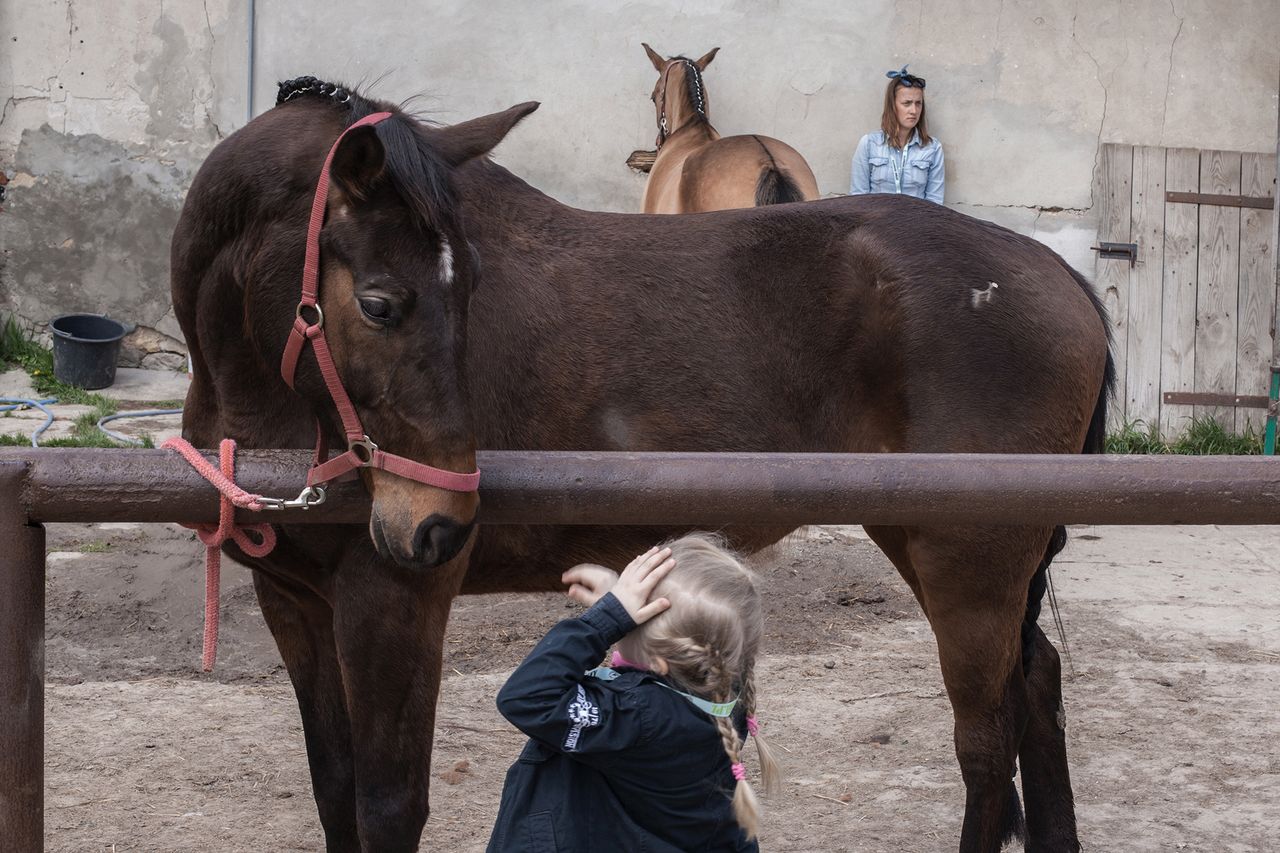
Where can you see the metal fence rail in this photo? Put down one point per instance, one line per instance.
(56, 485)
(695, 488)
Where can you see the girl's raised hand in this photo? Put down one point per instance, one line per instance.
(588, 582)
(636, 583)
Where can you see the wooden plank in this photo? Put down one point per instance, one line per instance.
(1219, 283)
(1257, 289)
(1146, 287)
(1255, 401)
(1111, 276)
(1181, 254)
(1260, 202)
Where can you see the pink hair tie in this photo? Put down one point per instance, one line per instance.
(739, 772)
(616, 660)
(753, 728)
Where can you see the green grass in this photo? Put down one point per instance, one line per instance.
(1205, 437)
(19, 440)
(84, 433)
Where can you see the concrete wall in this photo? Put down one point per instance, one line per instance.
(114, 106)
(110, 108)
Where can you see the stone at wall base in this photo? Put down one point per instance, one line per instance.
(145, 347)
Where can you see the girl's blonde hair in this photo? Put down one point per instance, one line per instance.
(710, 639)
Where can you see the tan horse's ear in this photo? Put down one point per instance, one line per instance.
(470, 139)
(358, 163)
(656, 58)
(706, 59)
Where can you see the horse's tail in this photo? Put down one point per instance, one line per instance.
(776, 187)
(1095, 441)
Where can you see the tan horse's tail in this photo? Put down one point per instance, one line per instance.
(776, 187)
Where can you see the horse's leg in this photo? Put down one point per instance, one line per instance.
(302, 624)
(894, 542)
(973, 583)
(1046, 779)
(389, 626)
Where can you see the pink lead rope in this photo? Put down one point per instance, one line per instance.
(214, 535)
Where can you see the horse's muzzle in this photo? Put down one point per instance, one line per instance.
(437, 540)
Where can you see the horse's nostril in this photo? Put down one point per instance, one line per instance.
(438, 540)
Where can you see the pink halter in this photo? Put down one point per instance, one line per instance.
(361, 452)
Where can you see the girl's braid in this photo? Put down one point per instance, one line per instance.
(745, 805)
(769, 772)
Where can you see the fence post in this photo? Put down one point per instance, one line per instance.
(22, 579)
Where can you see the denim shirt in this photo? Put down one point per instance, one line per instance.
(880, 168)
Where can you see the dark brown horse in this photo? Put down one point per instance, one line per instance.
(697, 169)
(466, 309)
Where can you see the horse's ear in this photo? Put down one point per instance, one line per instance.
(654, 57)
(358, 163)
(706, 59)
(470, 139)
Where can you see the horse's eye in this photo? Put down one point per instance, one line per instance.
(376, 309)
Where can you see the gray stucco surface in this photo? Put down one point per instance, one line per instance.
(111, 107)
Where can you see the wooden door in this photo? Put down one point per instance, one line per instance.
(1194, 313)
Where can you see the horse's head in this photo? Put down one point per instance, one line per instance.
(679, 96)
(396, 276)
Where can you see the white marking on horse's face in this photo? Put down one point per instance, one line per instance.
(616, 429)
(446, 261)
(985, 295)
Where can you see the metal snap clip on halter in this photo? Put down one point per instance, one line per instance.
(363, 450)
(307, 498)
(319, 323)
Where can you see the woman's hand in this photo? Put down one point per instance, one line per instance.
(588, 582)
(636, 583)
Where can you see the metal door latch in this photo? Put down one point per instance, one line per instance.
(1117, 250)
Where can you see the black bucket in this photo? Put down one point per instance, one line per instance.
(85, 349)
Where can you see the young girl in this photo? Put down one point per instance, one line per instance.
(643, 755)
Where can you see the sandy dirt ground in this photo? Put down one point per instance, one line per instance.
(1173, 632)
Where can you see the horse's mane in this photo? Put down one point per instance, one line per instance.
(694, 88)
(416, 170)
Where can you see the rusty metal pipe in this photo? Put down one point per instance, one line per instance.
(22, 579)
(520, 487)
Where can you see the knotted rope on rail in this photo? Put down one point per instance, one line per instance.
(214, 535)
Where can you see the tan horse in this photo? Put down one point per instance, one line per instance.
(696, 169)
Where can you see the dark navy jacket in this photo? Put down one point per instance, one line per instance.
(619, 765)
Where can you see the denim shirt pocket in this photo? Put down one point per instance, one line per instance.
(881, 175)
(917, 176)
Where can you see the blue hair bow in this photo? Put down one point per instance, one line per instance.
(908, 80)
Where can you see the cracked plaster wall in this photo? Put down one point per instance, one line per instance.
(112, 106)
(109, 108)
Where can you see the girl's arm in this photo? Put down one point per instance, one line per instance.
(549, 697)
(937, 177)
(860, 180)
